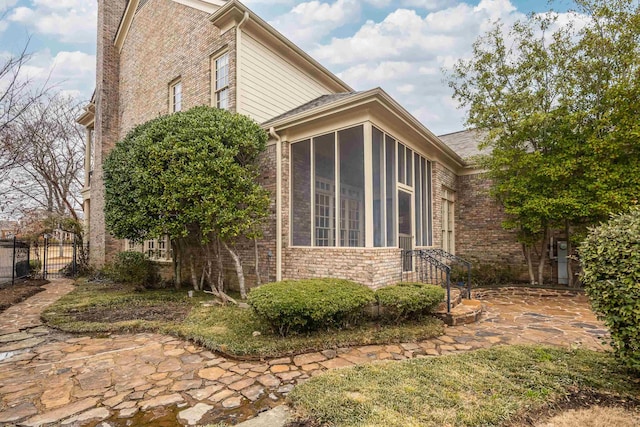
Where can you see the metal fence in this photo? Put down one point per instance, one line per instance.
(14, 261)
(53, 257)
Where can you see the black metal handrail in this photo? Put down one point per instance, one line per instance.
(428, 269)
(442, 255)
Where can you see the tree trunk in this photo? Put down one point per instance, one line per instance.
(239, 272)
(177, 261)
(194, 274)
(220, 280)
(527, 254)
(257, 255)
(543, 256)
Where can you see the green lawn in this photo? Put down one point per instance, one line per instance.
(228, 330)
(481, 388)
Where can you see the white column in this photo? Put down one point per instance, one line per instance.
(368, 185)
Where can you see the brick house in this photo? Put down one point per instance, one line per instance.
(354, 177)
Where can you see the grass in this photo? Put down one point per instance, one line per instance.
(228, 330)
(483, 388)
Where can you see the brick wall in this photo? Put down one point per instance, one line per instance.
(479, 233)
(371, 267)
(166, 41)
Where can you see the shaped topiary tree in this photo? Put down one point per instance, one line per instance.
(192, 176)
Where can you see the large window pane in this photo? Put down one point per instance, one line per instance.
(351, 142)
(418, 200)
(301, 193)
(409, 166)
(427, 232)
(325, 189)
(390, 173)
(401, 164)
(378, 187)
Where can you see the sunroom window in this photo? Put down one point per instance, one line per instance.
(328, 187)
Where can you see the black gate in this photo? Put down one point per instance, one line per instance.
(55, 256)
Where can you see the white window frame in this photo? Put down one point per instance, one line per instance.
(326, 193)
(448, 220)
(364, 206)
(175, 96)
(158, 250)
(220, 79)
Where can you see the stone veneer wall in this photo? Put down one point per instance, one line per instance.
(166, 40)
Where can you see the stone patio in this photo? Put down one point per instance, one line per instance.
(119, 380)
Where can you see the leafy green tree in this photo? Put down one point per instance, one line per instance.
(192, 176)
(559, 107)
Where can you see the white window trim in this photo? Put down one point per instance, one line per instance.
(172, 95)
(427, 184)
(448, 224)
(215, 90)
(150, 249)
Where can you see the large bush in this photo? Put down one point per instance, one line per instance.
(610, 257)
(133, 268)
(409, 300)
(306, 305)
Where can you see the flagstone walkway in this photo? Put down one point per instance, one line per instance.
(119, 380)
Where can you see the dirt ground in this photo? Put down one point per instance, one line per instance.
(167, 311)
(13, 294)
(596, 416)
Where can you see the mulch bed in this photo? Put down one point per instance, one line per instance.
(170, 312)
(13, 294)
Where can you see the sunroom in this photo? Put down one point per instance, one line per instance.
(360, 184)
(359, 187)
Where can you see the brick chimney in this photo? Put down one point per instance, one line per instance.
(110, 12)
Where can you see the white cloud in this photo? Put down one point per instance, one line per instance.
(308, 22)
(6, 4)
(405, 54)
(68, 72)
(70, 21)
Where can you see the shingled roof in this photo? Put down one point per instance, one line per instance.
(464, 143)
(318, 102)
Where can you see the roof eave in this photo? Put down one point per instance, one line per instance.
(234, 8)
(381, 96)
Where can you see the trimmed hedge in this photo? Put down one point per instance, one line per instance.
(409, 300)
(610, 258)
(132, 268)
(307, 305)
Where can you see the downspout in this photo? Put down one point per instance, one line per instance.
(241, 24)
(272, 132)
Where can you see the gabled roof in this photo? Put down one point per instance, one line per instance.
(465, 142)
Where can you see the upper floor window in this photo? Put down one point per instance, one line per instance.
(221, 81)
(175, 96)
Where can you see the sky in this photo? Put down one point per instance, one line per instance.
(403, 46)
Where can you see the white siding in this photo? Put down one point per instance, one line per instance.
(269, 85)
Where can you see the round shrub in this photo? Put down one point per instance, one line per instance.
(306, 305)
(409, 300)
(132, 268)
(610, 258)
